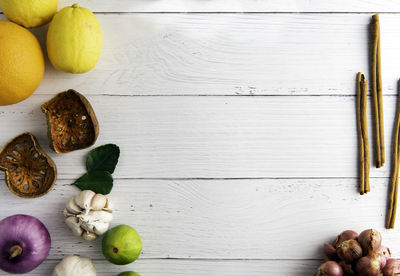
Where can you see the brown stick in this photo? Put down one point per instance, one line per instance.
(364, 129)
(374, 88)
(360, 135)
(394, 181)
(379, 89)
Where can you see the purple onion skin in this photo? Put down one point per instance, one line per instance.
(349, 251)
(347, 268)
(391, 268)
(31, 235)
(370, 240)
(370, 265)
(330, 251)
(330, 268)
(344, 236)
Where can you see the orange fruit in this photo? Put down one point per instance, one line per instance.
(21, 63)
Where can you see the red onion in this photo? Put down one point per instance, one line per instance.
(391, 268)
(370, 240)
(370, 265)
(347, 268)
(344, 236)
(330, 268)
(330, 251)
(349, 251)
(24, 243)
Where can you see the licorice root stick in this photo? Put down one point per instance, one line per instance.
(394, 181)
(360, 136)
(376, 90)
(364, 128)
(363, 133)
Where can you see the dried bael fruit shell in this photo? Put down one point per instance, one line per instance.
(30, 172)
(72, 124)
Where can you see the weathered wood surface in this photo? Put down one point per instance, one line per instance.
(222, 219)
(232, 54)
(215, 181)
(238, 5)
(200, 267)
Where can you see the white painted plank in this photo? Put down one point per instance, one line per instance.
(235, 54)
(200, 268)
(216, 137)
(222, 219)
(237, 5)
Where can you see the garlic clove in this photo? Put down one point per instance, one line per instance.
(72, 207)
(74, 265)
(84, 198)
(100, 227)
(93, 216)
(109, 206)
(88, 236)
(87, 227)
(73, 224)
(99, 201)
(67, 214)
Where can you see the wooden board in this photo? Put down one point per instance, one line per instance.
(234, 54)
(238, 6)
(236, 121)
(199, 267)
(222, 219)
(215, 137)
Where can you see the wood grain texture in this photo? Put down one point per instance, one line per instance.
(234, 54)
(237, 6)
(215, 137)
(222, 219)
(200, 268)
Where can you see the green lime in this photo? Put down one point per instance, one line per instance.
(128, 273)
(121, 245)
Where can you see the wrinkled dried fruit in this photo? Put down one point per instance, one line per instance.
(72, 124)
(30, 172)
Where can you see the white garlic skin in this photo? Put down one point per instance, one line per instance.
(88, 215)
(74, 266)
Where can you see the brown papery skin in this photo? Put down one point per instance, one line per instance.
(330, 268)
(330, 251)
(370, 265)
(391, 268)
(370, 240)
(347, 268)
(349, 251)
(344, 236)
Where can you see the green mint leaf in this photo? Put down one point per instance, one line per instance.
(103, 158)
(99, 182)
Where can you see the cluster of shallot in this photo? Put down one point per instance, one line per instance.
(354, 254)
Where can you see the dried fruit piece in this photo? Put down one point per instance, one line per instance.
(72, 124)
(30, 172)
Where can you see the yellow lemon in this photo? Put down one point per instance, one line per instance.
(29, 13)
(74, 40)
(21, 63)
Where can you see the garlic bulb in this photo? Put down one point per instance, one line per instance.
(88, 215)
(74, 265)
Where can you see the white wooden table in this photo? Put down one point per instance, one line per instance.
(236, 123)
